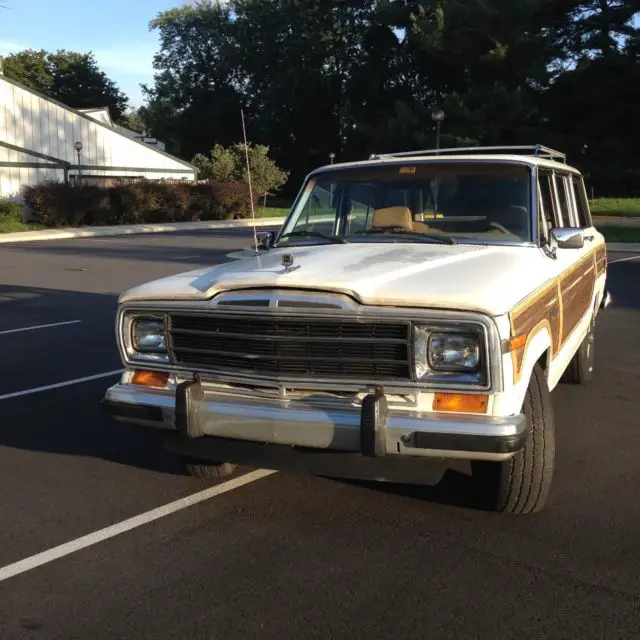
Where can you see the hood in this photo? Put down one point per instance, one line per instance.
(488, 279)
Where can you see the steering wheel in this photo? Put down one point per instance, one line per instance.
(497, 225)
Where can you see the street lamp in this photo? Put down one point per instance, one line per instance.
(438, 116)
(78, 147)
(332, 157)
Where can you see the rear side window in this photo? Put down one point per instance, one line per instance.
(582, 204)
(564, 199)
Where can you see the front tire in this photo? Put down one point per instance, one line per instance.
(521, 484)
(580, 369)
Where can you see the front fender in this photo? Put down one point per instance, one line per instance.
(518, 372)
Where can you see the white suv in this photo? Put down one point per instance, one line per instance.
(414, 308)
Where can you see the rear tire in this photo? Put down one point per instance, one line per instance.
(580, 369)
(521, 484)
(205, 469)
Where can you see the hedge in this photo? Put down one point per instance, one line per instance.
(55, 204)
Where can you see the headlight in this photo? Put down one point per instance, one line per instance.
(438, 353)
(453, 352)
(144, 337)
(148, 335)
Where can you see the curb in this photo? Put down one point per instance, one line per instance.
(134, 229)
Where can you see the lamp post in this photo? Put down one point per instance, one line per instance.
(438, 116)
(78, 147)
(332, 157)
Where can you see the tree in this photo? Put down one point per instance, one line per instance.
(228, 164)
(72, 78)
(196, 97)
(601, 28)
(135, 120)
(360, 76)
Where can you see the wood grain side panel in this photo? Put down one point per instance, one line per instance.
(541, 310)
(576, 290)
(601, 260)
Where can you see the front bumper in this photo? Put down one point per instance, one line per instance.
(374, 428)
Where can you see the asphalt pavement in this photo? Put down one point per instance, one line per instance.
(286, 556)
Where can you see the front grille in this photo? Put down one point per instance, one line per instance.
(304, 348)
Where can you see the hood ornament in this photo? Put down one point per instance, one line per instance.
(287, 263)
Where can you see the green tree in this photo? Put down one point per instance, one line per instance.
(195, 100)
(601, 28)
(229, 164)
(72, 78)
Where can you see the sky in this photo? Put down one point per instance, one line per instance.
(116, 31)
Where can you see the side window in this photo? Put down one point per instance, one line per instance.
(564, 201)
(582, 204)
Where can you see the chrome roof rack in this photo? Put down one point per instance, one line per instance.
(537, 150)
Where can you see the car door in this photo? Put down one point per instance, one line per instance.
(577, 266)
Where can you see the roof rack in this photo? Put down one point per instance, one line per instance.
(537, 150)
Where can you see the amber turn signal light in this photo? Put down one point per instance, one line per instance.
(156, 379)
(460, 402)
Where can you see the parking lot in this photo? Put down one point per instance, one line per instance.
(282, 555)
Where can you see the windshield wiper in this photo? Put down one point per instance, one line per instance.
(406, 232)
(314, 234)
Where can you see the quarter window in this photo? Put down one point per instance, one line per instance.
(582, 204)
(564, 201)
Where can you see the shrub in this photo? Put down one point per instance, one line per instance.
(229, 164)
(10, 209)
(59, 205)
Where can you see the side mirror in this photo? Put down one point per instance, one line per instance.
(265, 239)
(568, 237)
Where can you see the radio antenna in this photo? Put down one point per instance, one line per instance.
(253, 213)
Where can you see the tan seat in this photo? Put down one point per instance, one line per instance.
(393, 217)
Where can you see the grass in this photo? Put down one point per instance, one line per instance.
(271, 212)
(620, 234)
(615, 207)
(9, 224)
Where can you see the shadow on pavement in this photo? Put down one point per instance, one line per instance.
(67, 420)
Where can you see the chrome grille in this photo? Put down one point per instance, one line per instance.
(305, 348)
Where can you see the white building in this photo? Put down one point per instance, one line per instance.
(38, 137)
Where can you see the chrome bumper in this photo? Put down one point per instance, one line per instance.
(372, 429)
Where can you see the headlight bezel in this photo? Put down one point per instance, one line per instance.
(132, 351)
(478, 377)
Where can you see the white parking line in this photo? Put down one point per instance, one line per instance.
(90, 539)
(40, 326)
(624, 259)
(59, 385)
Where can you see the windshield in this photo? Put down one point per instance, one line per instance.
(485, 202)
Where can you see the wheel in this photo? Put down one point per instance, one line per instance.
(580, 369)
(206, 469)
(521, 484)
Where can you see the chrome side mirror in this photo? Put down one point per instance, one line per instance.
(568, 237)
(265, 239)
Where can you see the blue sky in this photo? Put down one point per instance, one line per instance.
(116, 31)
